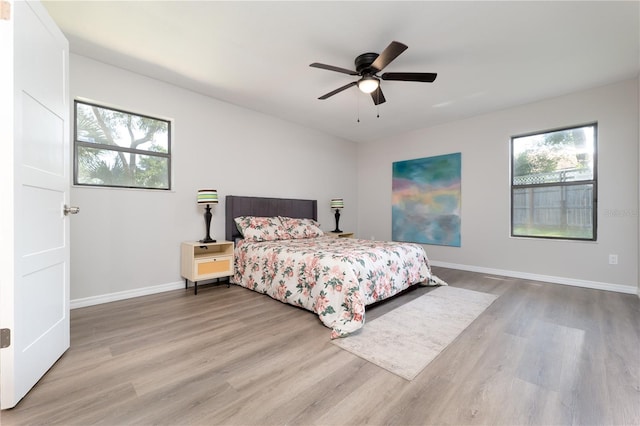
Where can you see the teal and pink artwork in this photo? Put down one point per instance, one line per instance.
(426, 200)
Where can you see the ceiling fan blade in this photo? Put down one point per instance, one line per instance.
(378, 97)
(338, 90)
(425, 77)
(332, 68)
(392, 51)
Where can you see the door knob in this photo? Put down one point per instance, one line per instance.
(70, 210)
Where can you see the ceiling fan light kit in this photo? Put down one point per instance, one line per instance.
(367, 67)
(368, 84)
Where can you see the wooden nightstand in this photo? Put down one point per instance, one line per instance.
(340, 234)
(204, 261)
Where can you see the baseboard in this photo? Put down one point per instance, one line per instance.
(144, 291)
(127, 294)
(537, 277)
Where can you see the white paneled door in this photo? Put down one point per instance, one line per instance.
(34, 286)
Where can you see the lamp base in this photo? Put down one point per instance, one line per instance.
(337, 221)
(207, 222)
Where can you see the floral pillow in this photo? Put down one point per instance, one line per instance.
(256, 228)
(301, 228)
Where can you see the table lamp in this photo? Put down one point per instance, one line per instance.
(207, 196)
(337, 203)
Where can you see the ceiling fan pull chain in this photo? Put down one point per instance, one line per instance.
(358, 107)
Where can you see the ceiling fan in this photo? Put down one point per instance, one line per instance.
(368, 65)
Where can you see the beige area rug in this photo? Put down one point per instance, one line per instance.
(404, 341)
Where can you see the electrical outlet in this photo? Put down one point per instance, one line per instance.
(613, 259)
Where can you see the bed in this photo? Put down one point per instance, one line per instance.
(282, 252)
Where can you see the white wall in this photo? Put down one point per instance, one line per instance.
(484, 144)
(125, 241)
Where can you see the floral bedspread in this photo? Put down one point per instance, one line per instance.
(333, 277)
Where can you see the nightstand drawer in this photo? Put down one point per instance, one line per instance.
(212, 266)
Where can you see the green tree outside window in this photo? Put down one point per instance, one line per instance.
(120, 149)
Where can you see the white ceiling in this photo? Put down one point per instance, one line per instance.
(488, 55)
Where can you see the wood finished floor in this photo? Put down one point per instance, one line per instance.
(542, 354)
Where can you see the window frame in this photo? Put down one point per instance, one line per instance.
(115, 148)
(593, 182)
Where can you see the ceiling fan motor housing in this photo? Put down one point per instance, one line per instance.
(363, 63)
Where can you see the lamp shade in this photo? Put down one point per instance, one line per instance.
(337, 203)
(207, 196)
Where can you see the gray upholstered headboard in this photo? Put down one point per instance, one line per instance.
(259, 206)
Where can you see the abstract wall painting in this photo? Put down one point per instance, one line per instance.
(426, 195)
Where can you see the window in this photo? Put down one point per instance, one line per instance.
(120, 149)
(554, 184)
